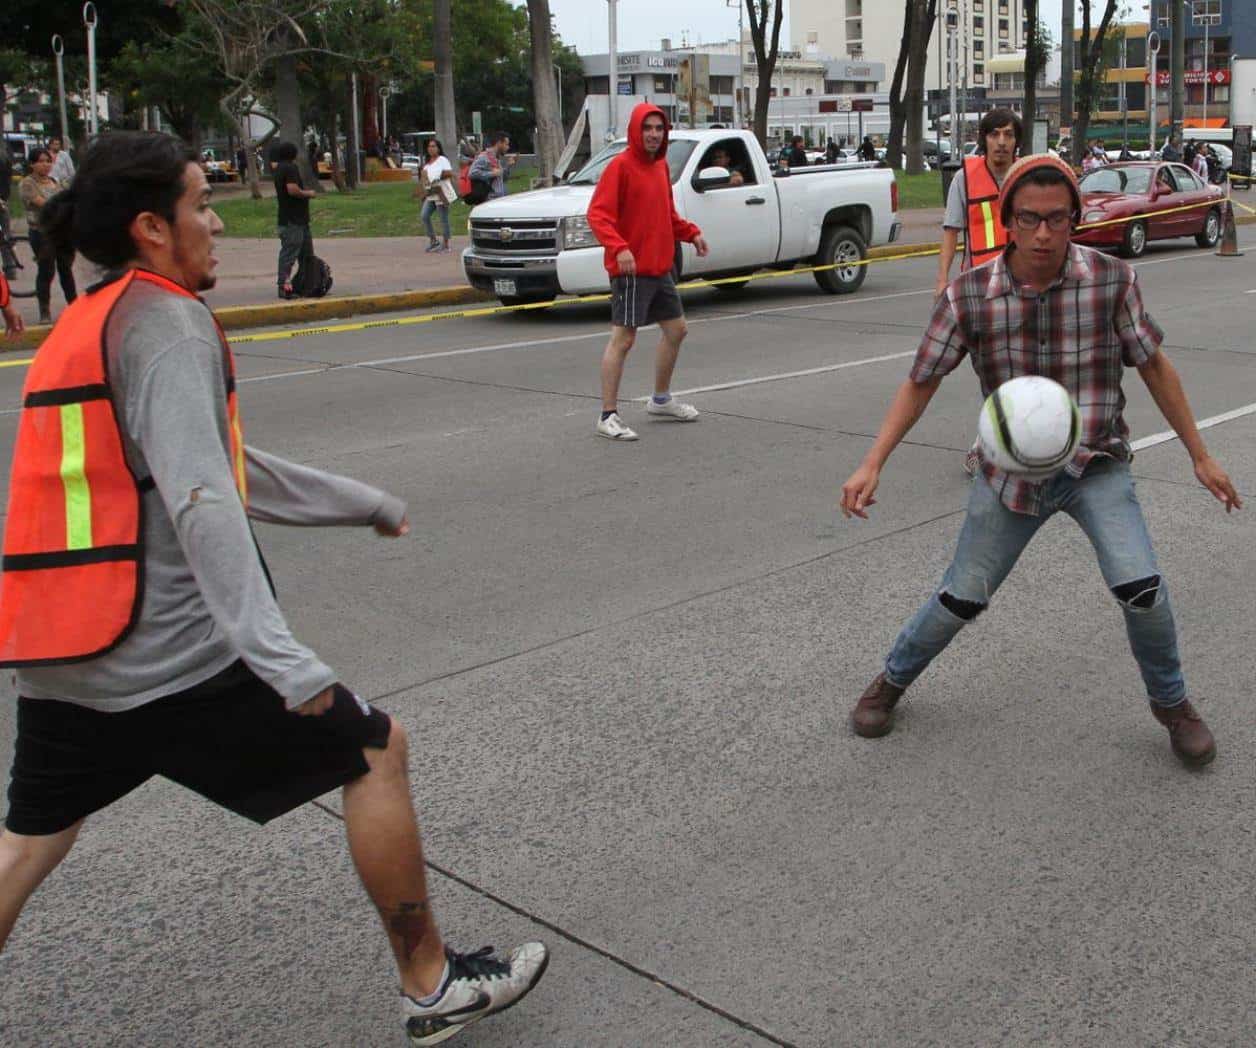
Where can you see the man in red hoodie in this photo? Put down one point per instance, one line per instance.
(634, 217)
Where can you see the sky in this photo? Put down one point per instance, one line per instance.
(584, 23)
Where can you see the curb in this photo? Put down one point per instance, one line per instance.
(275, 314)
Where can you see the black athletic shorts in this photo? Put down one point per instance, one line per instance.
(638, 301)
(229, 739)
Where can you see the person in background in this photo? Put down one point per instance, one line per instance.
(436, 170)
(296, 245)
(831, 152)
(62, 162)
(36, 189)
(867, 151)
(493, 165)
(795, 154)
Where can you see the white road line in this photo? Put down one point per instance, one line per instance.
(1203, 423)
(789, 374)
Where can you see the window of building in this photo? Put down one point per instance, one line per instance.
(979, 49)
(1002, 8)
(979, 78)
(722, 85)
(662, 85)
(1136, 95)
(808, 92)
(978, 6)
(1221, 93)
(1135, 52)
(979, 25)
(786, 94)
(979, 69)
(771, 93)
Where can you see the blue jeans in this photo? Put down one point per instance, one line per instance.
(426, 217)
(1103, 503)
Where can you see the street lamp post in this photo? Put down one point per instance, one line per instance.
(741, 57)
(384, 92)
(89, 21)
(555, 67)
(58, 49)
(1206, 20)
(613, 78)
(1153, 51)
(952, 24)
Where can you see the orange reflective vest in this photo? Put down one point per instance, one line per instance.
(73, 540)
(985, 236)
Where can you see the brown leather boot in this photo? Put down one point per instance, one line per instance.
(873, 715)
(1191, 739)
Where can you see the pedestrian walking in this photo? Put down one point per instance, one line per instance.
(831, 152)
(62, 162)
(972, 207)
(1091, 306)
(867, 151)
(491, 168)
(795, 154)
(185, 666)
(634, 217)
(433, 177)
(13, 325)
(36, 189)
(296, 245)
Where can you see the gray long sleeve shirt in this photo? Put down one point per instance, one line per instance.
(206, 599)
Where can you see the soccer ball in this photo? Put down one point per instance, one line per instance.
(1029, 426)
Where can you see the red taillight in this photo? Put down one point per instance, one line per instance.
(894, 195)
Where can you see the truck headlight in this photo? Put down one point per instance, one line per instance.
(576, 233)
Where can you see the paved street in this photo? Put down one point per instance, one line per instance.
(626, 670)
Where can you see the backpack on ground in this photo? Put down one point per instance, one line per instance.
(314, 280)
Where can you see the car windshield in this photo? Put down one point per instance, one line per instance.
(678, 151)
(1117, 180)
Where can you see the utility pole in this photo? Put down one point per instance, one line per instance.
(58, 49)
(952, 23)
(1177, 72)
(612, 129)
(1153, 52)
(1066, 66)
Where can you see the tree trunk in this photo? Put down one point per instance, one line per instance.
(1066, 66)
(288, 106)
(240, 122)
(764, 57)
(898, 111)
(1030, 110)
(443, 56)
(914, 99)
(1091, 78)
(337, 173)
(549, 129)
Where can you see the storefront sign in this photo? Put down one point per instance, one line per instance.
(1194, 76)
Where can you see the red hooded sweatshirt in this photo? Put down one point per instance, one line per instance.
(632, 206)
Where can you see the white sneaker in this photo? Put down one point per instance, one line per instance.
(673, 409)
(613, 427)
(479, 984)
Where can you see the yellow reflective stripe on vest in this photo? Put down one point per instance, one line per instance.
(78, 493)
(988, 215)
(237, 434)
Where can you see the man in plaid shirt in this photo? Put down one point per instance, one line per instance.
(1047, 307)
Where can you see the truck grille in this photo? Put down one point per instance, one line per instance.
(525, 236)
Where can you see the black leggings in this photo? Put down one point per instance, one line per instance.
(49, 260)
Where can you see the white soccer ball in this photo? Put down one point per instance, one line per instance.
(1029, 426)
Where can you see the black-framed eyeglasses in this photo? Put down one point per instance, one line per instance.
(1028, 221)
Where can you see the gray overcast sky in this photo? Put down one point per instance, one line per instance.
(583, 23)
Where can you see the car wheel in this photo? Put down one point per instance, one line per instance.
(843, 248)
(1211, 233)
(1135, 242)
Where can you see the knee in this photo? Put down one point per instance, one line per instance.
(960, 608)
(394, 758)
(1139, 595)
(622, 343)
(678, 332)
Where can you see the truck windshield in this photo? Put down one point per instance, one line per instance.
(678, 152)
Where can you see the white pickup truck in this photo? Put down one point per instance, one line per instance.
(534, 246)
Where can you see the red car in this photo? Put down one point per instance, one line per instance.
(1134, 190)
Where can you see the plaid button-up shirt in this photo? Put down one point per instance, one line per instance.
(1082, 331)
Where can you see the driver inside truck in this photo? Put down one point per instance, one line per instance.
(718, 156)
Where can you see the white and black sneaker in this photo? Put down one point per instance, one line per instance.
(478, 984)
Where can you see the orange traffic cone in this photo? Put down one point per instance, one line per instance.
(1229, 235)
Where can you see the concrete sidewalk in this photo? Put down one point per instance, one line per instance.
(367, 272)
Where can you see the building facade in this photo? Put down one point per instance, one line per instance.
(1125, 99)
(873, 30)
(1216, 30)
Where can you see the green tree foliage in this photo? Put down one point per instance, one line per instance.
(173, 78)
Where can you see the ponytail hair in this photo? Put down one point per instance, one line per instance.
(122, 174)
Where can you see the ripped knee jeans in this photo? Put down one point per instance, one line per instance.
(1103, 503)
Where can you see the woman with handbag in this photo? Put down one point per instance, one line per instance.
(36, 189)
(436, 187)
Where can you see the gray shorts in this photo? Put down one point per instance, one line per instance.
(638, 301)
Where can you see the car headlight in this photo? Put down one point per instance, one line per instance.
(1093, 216)
(577, 233)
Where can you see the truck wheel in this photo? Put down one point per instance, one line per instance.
(1135, 242)
(842, 247)
(1211, 233)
